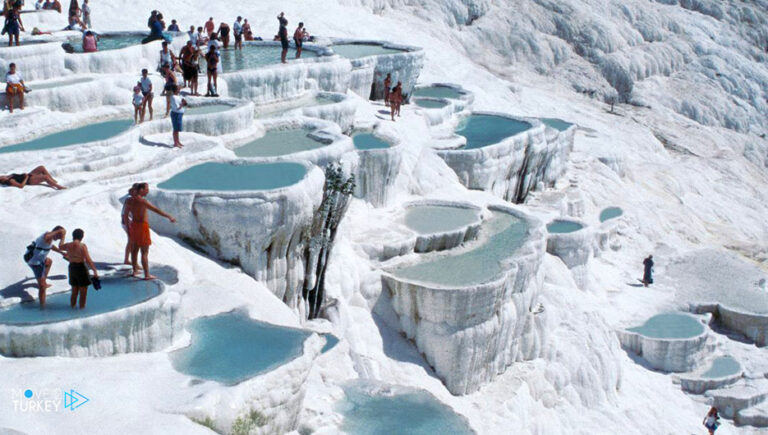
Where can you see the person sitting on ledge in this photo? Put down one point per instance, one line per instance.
(36, 177)
(90, 43)
(14, 85)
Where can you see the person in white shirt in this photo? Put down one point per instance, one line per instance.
(86, 14)
(146, 90)
(138, 101)
(178, 106)
(237, 29)
(14, 86)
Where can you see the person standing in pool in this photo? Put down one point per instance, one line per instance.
(298, 39)
(76, 252)
(35, 177)
(212, 58)
(247, 32)
(37, 258)
(178, 106)
(237, 29)
(146, 90)
(224, 34)
(189, 55)
(137, 206)
(210, 26)
(648, 271)
(712, 420)
(125, 222)
(387, 85)
(14, 86)
(282, 33)
(13, 25)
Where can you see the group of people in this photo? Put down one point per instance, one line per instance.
(175, 105)
(300, 35)
(393, 97)
(53, 5)
(79, 17)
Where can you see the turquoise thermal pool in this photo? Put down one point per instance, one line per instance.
(80, 135)
(437, 92)
(484, 130)
(610, 213)
(214, 176)
(429, 219)
(368, 141)
(114, 294)
(563, 227)
(430, 104)
(208, 109)
(355, 51)
(232, 347)
(110, 42)
(505, 233)
(670, 326)
(279, 143)
(721, 367)
(557, 124)
(378, 409)
(255, 56)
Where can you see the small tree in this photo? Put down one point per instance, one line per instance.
(336, 194)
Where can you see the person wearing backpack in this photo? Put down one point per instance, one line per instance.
(37, 258)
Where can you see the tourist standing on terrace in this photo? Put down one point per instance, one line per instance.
(237, 29)
(648, 271)
(395, 100)
(247, 32)
(282, 33)
(387, 85)
(712, 420)
(14, 85)
(298, 39)
(86, 14)
(174, 27)
(189, 55)
(13, 24)
(125, 221)
(37, 258)
(171, 85)
(210, 26)
(76, 252)
(138, 101)
(212, 58)
(224, 34)
(137, 206)
(178, 106)
(146, 91)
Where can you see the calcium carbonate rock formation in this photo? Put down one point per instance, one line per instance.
(470, 332)
(338, 108)
(377, 170)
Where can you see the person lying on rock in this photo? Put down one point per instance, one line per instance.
(36, 177)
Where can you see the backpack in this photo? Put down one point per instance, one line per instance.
(30, 252)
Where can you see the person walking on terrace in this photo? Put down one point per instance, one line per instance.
(178, 106)
(138, 228)
(37, 258)
(76, 252)
(648, 271)
(125, 221)
(712, 420)
(387, 87)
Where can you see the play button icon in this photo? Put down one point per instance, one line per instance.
(74, 400)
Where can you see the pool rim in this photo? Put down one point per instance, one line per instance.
(567, 219)
(537, 127)
(133, 130)
(437, 202)
(375, 130)
(704, 332)
(465, 95)
(402, 48)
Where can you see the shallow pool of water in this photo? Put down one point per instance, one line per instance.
(563, 227)
(721, 367)
(216, 176)
(207, 109)
(557, 124)
(505, 233)
(279, 143)
(110, 42)
(437, 92)
(672, 325)
(80, 135)
(484, 130)
(610, 213)
(114, 294)
(330, 342)
(430, 104)
(354, 51)
(255, 56)
(232, 347)
(379, 409)
(429, 219)
(368, 141)
(58, 83)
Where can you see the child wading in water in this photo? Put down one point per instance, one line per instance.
(77, 253)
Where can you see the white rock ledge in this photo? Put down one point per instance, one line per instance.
(471, 334)
(148, 326)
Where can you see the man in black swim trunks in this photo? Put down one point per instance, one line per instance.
(188, 57)
(283, 34)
